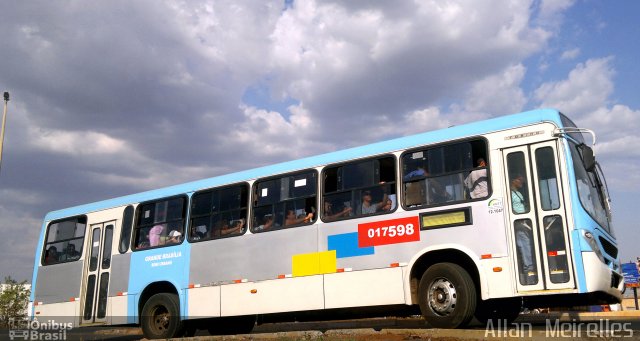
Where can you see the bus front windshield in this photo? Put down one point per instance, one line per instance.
(591, 190)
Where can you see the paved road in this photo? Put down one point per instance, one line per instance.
(574, 326)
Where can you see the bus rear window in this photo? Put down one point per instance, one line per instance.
(64, 240)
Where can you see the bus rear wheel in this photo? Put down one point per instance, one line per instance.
(447, 296)
(160, 318)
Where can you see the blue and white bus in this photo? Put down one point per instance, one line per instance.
(472, 220)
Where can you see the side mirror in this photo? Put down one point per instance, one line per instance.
(588, 159)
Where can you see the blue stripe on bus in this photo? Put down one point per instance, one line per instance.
(165, 264)
(582, 221)
(452, 133)
(346, 245)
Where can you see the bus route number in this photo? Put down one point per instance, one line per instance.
(389, 232)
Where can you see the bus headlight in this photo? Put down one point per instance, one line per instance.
(591, 240)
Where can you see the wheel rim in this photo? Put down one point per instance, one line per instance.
(160, 319)
(442, 297)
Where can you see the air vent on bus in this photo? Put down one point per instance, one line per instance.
(615, 280)
(609, 248)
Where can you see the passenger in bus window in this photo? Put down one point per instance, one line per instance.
(291, 219)
(143, 240)
(368, 207)
(267, 223)
(420, 171)
(51, 256)
(237, 226)
(476, 182)
(518, 201)
(70, 253)
(330, 215)
(523, 230)
(154, 235)
(198, 232)
(174, 237)
(388, 206)
(436, 192)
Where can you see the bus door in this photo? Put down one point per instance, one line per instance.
(537, 217)
(96, 280)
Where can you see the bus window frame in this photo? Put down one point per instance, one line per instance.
(122, 228)
(211, 190)
(253, 199)
(425, 148)
(136, 228)
(45, 243)
(396, 165)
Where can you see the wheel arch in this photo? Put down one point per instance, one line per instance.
(449, 254)
(157, 288)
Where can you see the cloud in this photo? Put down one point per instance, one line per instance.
(499, 93)
(551, 12)
(77, 143)
(390, 63)
(570, 54)
(588, 87)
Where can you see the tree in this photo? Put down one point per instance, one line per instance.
(14, 301)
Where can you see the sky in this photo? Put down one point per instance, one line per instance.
(110, 98)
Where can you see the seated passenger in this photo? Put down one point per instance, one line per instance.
(388, 206)
(267, 223)
(330, 215)
(368, 207)
(237, 226)
(70, 253)
(436, 193)
(143, 240)
(198, 232)
(291, 218)
(174, 237)
(51, 255)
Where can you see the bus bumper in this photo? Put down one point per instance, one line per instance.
(600, 278)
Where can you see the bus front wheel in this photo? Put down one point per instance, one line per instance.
(447, 296)
(161, 317)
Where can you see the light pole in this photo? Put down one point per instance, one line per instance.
(4, 122)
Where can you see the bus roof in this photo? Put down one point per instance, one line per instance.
(435, 136)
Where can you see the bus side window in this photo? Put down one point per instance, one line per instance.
(285, 201)
(219, 212)
(359, 188)
(160, 220)
(445, 174)
(64, 241)
(125, 233)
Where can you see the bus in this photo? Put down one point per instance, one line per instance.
(480, 219)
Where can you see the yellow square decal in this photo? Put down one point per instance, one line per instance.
(315, 263)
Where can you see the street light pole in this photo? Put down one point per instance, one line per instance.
(4, 122)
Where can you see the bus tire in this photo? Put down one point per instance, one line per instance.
(498, 309)
(447, 296)
(160, 318)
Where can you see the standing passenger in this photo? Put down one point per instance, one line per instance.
(154, 235)
(524, 232)
(476, 182)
